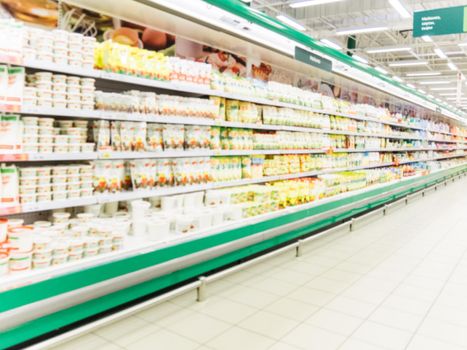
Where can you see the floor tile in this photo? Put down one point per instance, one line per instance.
(351, 307)
(199, 327)
(283, 346)
(311, 296)
(135, 335)
(116, 330)
(268, 324)
(444, 331)
(406, 304)
(396, 318)
(327, 284)
(271, 285)
(164, 340)
(158, 312)
(250, 296)
(237, 338)
(292, 309)
(335, 321)
(226, 310)
(87, 341)
(382, 336)
(354, 344)
(309, 337)
(420, 342)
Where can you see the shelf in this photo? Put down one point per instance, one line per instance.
(137, 194)
(109, 155)
(135, 245)
(35, 157)
(196, 90)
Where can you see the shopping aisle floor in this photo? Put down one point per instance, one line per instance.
(397, 283)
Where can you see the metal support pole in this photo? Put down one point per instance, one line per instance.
(201, 290)
(299, 248)
(385, 210)
(352, 223)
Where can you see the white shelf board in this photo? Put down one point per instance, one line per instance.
(193, 89)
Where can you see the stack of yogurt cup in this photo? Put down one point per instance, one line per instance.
(52, 183)
(48, 90)
(59, 46)
(41, 136)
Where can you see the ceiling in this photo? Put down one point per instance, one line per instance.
(322, 22)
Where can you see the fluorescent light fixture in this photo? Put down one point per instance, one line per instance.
(449, 94)
(452, 66)
(290, 22)
(462, 44)
(307, 3)
(431, 96)
(389, 49)
(443, 88)
(381, 70)
(422, 91)
(408, 63)
(423, 74)
(400, 8)
(440, 53)
(434, 82)
(396, 78)
(331, 44)
(359, 30)
(427, 38)
(360, 59)
(411, 86)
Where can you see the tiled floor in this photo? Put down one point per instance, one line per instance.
(397, 283)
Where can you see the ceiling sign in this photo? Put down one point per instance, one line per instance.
(312, 59)
(449, 20)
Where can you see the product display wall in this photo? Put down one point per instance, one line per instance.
(145, 166)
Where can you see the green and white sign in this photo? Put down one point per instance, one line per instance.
(312, 59)
(450, 20)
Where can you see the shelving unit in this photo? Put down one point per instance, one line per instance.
(153, 262)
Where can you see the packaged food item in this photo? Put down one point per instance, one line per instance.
(154, 137)
(173, 136)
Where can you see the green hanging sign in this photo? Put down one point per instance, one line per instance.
(450, 20)
(312, 59)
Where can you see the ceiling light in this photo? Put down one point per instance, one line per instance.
(422, 91)
(360, 59)
(389, 49)
(452, 66)
(400, 8)
(462, 44)
(434, 82)
(359, 30)
(331, 44)
(299, 4)
(290, 22)
(431, 96)
(422, 74)
(443, 88)
(449, 94)
(427, 38)
(440, 54)
(396, 78)
(381, 70)
(411, 86)
(407, 63)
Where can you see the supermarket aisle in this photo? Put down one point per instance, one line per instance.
(398, 283)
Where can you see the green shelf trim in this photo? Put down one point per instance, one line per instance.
(65, 317)
(238, 8)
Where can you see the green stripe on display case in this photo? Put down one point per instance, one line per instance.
(255, 16)
(62, 284)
